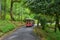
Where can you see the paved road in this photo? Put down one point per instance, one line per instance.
(22, 34)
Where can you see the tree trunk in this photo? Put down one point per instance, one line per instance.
(43, 27)
(38, 23)
(4, 10)
(0, 8)
(1, 12)
(11, 10)
(57, 22)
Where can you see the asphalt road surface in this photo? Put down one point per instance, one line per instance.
(24, 33)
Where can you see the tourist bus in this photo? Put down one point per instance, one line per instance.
(29, 22)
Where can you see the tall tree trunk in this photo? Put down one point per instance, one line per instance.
(57, 22)
(0, 8)
(4, 9)
(11, 10)
(43, 27)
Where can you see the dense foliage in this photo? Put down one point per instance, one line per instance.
(5, 26)
(50, 7)
(45, 12)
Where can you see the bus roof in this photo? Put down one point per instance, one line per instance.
(30, 19)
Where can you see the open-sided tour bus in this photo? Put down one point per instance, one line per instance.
(29, 22)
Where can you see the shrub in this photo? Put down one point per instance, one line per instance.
(5, 26)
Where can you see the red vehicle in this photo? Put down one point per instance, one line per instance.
(29, 22)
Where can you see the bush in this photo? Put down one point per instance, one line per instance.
(5, 26)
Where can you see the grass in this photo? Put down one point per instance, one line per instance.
(5, 26)
(1, 34)
(52, 35)
(47, 34)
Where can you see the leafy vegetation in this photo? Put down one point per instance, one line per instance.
(5, 27)
(47, 34)
(45, 12)
(50, 7)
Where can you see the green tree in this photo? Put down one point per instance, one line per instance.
(37, 6)
(3, 8)
(54, 9)
(11, 8)
(50, 7)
